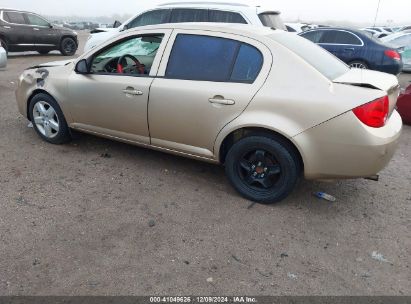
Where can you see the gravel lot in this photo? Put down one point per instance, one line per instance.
(97, 217)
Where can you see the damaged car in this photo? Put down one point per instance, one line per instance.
(268, 105)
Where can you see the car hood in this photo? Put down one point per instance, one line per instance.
(52, 64)
(374, 80)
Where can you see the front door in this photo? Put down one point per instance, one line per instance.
(205, 81)
(43, 34)
(112, 99)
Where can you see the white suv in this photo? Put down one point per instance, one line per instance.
(178, 12)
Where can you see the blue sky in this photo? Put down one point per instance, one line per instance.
(360, 11)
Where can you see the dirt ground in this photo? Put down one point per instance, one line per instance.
(97, 217)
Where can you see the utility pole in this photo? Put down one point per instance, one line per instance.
(376, 14)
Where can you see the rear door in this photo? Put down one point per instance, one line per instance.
(205, 80)
(345, 45)
(43, 33)
(16, 30)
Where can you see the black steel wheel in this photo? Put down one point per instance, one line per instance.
(68, 46)
(263, 169)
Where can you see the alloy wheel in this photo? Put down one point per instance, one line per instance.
(46, 120)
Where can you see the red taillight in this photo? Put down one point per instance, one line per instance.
(393, 54)
(374, 114)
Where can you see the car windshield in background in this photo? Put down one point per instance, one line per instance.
(272, 20)
(326, 63)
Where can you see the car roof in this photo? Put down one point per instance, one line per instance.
(355, 31)
(219, 5)
(233, 28)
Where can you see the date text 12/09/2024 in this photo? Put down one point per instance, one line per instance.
(239, 299)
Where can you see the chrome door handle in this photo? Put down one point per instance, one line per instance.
(35, 29)
(132, 92)
(7, 27)
(222, 101)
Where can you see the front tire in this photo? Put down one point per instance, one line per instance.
(48, 119)
(4, 45)
(263, 169)
(43, 52)
(68, 46)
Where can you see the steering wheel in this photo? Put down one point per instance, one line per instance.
(121, 69)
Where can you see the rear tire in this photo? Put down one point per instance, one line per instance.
(68, 46)
(359, 65)
(48, 119)
(263, 169)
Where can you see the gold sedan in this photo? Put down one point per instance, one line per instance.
(269, 105)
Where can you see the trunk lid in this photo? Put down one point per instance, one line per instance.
(373, 80)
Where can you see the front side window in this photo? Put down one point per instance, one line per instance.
(36, 20)
(15, 17)
(225, 17)
(151, 18)
(207, 58)
(313, 36)
(189, 15)
(133, 56)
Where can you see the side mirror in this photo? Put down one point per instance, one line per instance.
(82, 67)
(116, 24)
(51, 25)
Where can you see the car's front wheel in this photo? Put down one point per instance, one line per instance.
(263, 169)
(48, 119)
(68, 46)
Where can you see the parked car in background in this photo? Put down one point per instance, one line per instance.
(375, 33)
(214, 96)
(404, 105)
(3, 58)
(380, 29)
(404, 28)
(178, 12)
(401, 40)
(25, 31)
(357, 49)
(297, 27)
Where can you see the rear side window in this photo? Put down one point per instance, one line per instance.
(152, 17)
(340, 37)
(226, 17)
(217, 59)
(248, 64)
(15, 17)
(36, 20)
(189, 15)
(313, 36)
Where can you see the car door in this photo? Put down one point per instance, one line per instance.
(350, 46)
(206, 80)
(15, 29)
(328, 41)
(112, 100)
(44, 34)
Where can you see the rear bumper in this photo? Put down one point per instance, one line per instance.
(345, 148)
(391, 68)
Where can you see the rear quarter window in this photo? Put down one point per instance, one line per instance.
(207, 58)
(313, 36)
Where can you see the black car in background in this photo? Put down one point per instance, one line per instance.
(358, 49)
(25, 31)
